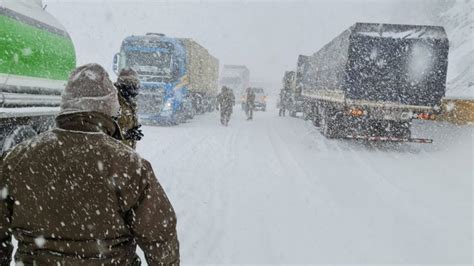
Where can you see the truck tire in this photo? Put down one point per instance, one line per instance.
(316, 122)
(330, 127)
(308, 111)
(306, 114)
(401, 130)
(316, 117)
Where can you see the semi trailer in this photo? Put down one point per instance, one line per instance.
(373, 80)
(235, 77)
(36, 58)
(178, 76)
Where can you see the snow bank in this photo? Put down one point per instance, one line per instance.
(275, 191)
(459, 24)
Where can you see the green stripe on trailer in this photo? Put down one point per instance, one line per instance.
(29, 51)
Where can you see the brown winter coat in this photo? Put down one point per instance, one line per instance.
(76, 196)
(250, 99)
(226, 100)
(128, 119)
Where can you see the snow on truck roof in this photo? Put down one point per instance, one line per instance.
(398, 31)
(31, 13)
(235, 67)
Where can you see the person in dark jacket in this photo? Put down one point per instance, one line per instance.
(128, 85)
(75, 195)
(250, 103)
(226, 101)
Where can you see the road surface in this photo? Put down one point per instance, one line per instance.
(275, 191)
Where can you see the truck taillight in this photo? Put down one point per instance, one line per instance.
(356, 112)
(425, 116)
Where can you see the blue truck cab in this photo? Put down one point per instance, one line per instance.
(160, 62)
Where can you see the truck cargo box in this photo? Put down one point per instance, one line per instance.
(398, 64)
(202, 68)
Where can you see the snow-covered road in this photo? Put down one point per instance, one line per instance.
(274, 191)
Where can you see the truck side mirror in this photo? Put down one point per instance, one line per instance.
(115, 66)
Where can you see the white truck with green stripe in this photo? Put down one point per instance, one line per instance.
(36, 57)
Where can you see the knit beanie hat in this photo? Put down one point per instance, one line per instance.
(128, 83)
(89, 89)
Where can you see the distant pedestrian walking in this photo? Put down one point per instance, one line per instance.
(249, 103)
(225, 101)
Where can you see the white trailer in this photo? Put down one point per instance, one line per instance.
(236, 77)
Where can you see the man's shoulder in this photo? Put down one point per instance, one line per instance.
(120, 149)
(30, 146)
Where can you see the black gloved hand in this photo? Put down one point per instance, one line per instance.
(134, 133)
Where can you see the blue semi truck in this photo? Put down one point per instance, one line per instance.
(179, 77)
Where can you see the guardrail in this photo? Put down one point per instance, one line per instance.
(14, 100)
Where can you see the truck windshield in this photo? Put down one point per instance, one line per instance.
(258, 90)
(152, 66)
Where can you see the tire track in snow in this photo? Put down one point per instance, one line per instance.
(219, 228)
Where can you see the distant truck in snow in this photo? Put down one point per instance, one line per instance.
(36, 58)
(179, 77)
(236, 77)
(372, 80)
(301, 72)
(293, 82)
(287, 91)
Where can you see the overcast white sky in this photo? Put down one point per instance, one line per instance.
(267, 36)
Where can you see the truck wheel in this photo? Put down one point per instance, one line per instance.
(402, 130)
(308, 112)
(316, 117)
(329, 125)
(316, 120)
(306, 115)
(17, 136)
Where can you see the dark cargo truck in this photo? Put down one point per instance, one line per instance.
(372, 80)
(292, 84)
(301, 74)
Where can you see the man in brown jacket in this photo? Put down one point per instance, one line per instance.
(226, 101)
(77, 196)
